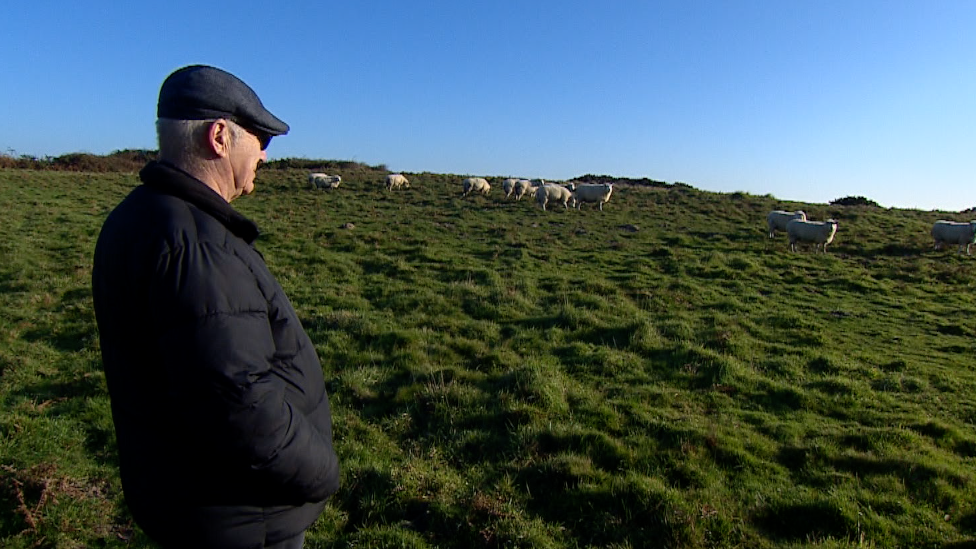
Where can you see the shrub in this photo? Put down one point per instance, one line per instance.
(601, 179)
(854, 201)
(312, 164)
(132, 160)
(128, 160)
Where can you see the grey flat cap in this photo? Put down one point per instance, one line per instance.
(200, 92)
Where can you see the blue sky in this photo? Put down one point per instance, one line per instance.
(807, 100)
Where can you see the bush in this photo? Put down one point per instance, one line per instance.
(132, 160)
(129, 160)
(854, 201)
(322, 165)
(601, 179)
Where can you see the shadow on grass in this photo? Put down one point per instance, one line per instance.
(75, 329)
(71, 400)
(779, 399)
(9, 284)
(967, 524)
(67, 341)
(64, 396)
(625, 512)
(600, 448)
(816, 467)
(888, 250)
(803, 521)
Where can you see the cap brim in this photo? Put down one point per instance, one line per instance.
(263, 121)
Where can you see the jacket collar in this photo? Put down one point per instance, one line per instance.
(167, 178)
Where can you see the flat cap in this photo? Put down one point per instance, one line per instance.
(201, 92)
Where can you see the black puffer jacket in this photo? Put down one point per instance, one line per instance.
(221, 414)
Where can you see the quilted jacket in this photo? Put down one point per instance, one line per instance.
(220, 408)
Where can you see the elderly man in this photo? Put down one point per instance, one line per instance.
(221, 414)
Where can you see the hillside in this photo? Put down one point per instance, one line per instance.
(660, 374)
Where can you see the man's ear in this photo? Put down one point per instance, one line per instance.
(219, 137)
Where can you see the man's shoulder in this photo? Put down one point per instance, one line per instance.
(149, 215)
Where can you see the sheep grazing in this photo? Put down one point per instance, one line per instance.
(522, 186)
(553, 193)
(323, 181)
(396, 181)
(952, 232)
(475, 185)
(820, 233)
(509, 186)
(598, 193)
(777, 220)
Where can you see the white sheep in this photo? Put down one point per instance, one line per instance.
(587, 192)
(820, 233)
(952, 232)
(508, 186)
(553, 193)
(323, 181)
(777, 220)
(396, 181)
(522, 186)
(475, 185)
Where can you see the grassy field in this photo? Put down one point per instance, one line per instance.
(660, 374)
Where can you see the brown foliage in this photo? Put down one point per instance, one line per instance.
(40, 485)
(601, 179)
(129, 160)
(132, 160)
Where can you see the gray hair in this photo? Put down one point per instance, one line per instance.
(182, 141)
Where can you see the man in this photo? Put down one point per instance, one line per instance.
(221, 414)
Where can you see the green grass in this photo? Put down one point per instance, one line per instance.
(657, 375)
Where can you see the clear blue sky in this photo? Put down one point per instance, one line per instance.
(808, 100)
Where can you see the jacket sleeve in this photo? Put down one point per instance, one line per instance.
(227, 374)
